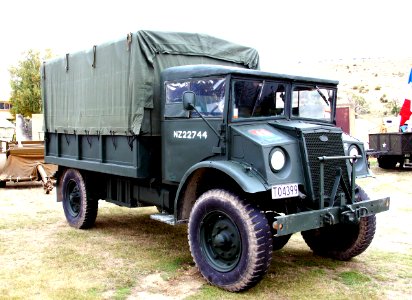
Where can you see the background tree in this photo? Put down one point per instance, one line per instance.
(395, 107)
(25, 84)
(359, 104)
(391, 107)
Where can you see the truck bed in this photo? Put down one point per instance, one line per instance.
(394, 143)
(129, 156)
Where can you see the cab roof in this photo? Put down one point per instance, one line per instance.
(195, 71)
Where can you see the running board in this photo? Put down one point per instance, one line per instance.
(165, 218)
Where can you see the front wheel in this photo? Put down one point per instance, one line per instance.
(80, 209)
(280, 241)
(230, 240)
(343, 241)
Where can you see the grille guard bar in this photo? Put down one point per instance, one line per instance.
(314, 219)
(349, 195)
(349, 211)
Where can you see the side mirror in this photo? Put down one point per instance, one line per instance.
(189, 100)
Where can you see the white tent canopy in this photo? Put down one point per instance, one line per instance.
(4, 123)
(6, 129)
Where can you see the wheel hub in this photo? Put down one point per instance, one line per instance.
(221, 241)
(74, 199)
(225, 239)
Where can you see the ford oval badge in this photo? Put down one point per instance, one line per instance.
(323, 138)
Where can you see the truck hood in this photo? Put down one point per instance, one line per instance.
(252, 144)
(262, 134)
(276, 133)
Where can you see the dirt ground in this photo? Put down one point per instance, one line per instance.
(393, 232)
(393, 227)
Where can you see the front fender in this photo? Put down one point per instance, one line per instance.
(246, 178)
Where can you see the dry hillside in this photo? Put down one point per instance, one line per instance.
(380, 82)
(373, 79)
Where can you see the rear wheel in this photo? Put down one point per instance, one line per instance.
(230, 240)
(343, 241)
(80, 209)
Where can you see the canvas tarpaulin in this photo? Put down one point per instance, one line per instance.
(106, 89)
(21, 165)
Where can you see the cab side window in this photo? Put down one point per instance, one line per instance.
(174, 92)
(210, 97)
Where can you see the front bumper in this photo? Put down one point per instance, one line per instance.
(350, 213)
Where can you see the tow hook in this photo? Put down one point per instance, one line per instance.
(353, 215)
(329, 219)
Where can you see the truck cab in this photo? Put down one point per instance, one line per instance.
(269, 127)
(235, 138)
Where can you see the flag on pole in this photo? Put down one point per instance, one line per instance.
(405, 111)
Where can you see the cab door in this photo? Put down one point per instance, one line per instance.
(186, 138)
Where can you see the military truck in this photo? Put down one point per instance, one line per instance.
(187, 123)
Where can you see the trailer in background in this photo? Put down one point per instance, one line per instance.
(25, 162)
(391, 148)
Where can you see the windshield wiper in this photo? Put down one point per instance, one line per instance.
(258, 98)
(322, 95)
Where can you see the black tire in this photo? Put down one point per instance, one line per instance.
(230, 241)
(387, 162)
(343, 241)
(80, 209)
(2, 184)
(280, 241)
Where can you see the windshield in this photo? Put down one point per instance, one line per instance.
(257, 98)
(313, 102)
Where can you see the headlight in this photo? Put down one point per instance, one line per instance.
(353, 150)
(277, 159)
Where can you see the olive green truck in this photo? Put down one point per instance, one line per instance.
(187, 123)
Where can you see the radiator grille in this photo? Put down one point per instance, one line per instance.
(316, 148)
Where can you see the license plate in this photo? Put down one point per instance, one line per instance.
(285, 191)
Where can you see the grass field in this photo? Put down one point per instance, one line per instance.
(128, 256)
